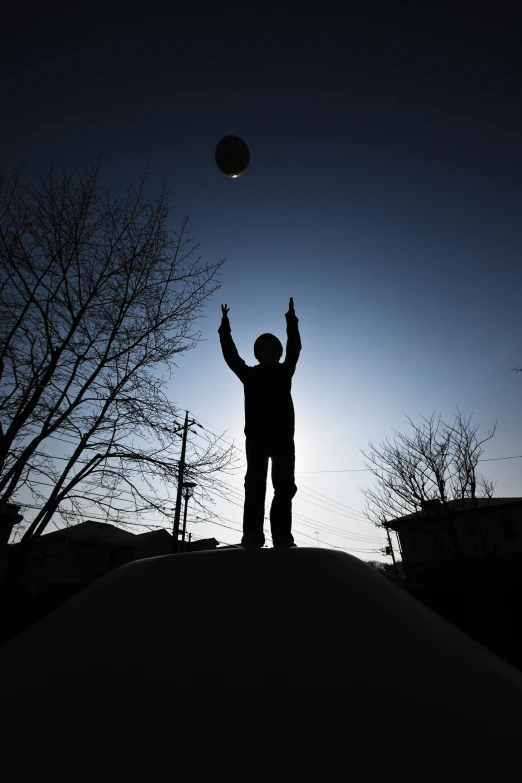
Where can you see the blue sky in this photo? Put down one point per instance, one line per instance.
(383, 194)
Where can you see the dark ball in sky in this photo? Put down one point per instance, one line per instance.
(232, 156)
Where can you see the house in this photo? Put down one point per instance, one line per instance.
(65, 561)
(80, 554)
(486, 532)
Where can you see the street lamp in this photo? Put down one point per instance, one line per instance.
(188, 486)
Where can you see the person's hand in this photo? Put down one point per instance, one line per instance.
(225, 311)
(291, 311)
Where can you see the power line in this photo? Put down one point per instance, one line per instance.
(241, 495)
(348, 470)
(330, 529)
(195, 537)
(326, 496)
(366, 470)
(352, 470)
(305, 535)
(334, 505)
(300, 472)
(331, 501)
(342, 534)
(332, 511)
(150, 524)
(335, 532)
(495, 459)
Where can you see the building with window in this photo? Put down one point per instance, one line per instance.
(65, 561)
(485, 532)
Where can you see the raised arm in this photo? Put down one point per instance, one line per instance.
(230, 354)
(293, 341)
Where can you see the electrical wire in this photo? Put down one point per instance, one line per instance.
(328, 504)
(330, 500)
(333, 531)
(346, 549)
(295, 515)
(317, 524)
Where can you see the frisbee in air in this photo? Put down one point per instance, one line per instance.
(232, 156)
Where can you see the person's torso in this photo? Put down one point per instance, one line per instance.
(268, 399)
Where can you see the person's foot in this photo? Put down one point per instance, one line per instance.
(252, 541)
(284, 543)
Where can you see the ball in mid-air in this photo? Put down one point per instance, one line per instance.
(232, 156)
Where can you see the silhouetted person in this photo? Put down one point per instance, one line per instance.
(269, 428)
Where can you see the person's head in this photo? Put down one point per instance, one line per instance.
(267, 349)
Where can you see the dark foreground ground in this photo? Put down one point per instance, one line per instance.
(301, 662)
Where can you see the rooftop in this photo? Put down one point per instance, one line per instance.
(456, 506)
(95, 531)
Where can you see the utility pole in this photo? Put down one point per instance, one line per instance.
(181, 470)
(186, 496)
(189, 487)
(392, 554)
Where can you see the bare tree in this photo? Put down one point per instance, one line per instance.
(436, 461)
(98, 296)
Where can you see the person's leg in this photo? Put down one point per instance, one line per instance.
(283, 479)
(255, 491)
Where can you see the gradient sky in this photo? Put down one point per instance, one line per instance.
(384, 195)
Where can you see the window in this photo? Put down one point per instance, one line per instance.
(507, 527)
